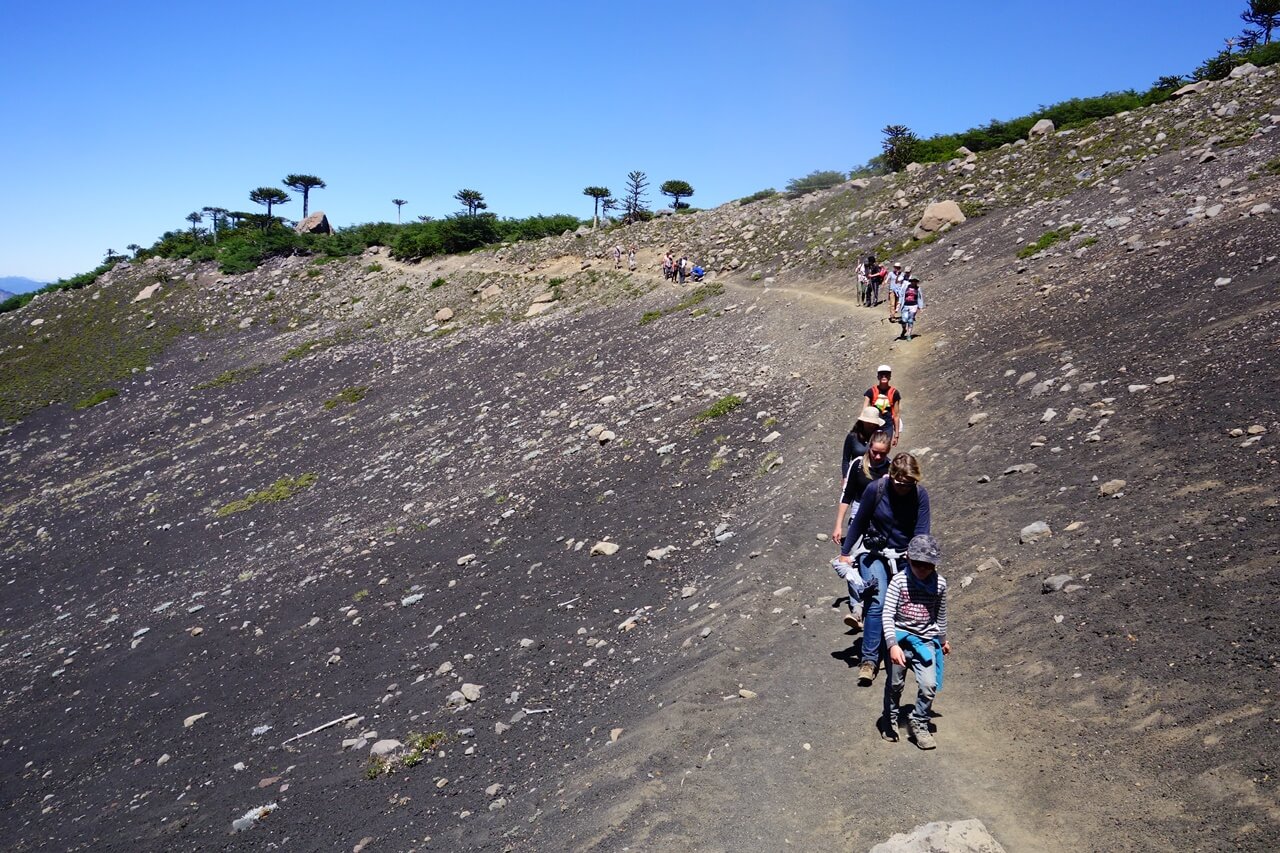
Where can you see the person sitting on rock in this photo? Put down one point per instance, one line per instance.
(887, 400)
(869, 466)
(915, 632)
(890, 512)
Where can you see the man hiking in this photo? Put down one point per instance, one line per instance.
(915, 630)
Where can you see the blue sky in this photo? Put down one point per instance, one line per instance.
(120, 119)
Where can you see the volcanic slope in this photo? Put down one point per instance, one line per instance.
(310, 492)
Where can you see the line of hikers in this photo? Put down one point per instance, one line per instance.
(889, 562)
(906, 297)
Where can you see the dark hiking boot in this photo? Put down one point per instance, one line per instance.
(920, 734)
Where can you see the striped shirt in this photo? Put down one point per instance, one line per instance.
(916, 606)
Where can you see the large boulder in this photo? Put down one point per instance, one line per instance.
(958, 836)
(1243, 71)
(316, 223)
(1191, 89)
(938, 216)
(1043, 127)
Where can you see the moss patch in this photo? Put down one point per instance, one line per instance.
(230, 377)
(280, 490)
(723, 406)
(346, 395)
(95, 398)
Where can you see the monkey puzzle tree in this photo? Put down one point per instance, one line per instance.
(633, 203)
(399, 203)
(596, 193)
(472, 200)
(1263, 14)
(269, 197)
(303, 184)
(676, 190)
(899, 146)
(217, 215)
(195, 219)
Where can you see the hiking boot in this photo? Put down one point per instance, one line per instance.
(921, 734)
(889, 731)
(852, 621)
(866, 673)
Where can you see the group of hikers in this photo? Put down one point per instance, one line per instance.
(889, 561)
(679, 270)
(906, 297)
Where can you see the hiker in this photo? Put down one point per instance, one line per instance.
(897, 282)
(617, 256)
(915, 632)
(683, 270)
(886, 399)
(912, 302)
(698, 273)
(667, 266)
(631, 259)
(890, 512)
(868, 423)
(867, 467)
(891, 282)
(875, 274)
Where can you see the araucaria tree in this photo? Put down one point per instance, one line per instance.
(596, 193)
(303, 184)
(1263, 14)
(633, 203)
(195, 219)
(676, 190)
(472, 200)
(268, 197)
(217, 215)
(399, 203)
(899, 146)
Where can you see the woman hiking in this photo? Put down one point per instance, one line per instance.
(867, 468)
(891, 511)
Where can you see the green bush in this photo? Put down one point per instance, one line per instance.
(816, 180)
(95, 398)
(759, 195)
(719, 408)
(1046, 240)
(280, 490)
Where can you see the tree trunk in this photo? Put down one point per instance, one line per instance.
(306, 192)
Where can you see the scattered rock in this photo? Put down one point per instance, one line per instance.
(961, 836)
(444, 315)
(1055, 583)
(977, 418)
(1043, 127)
(990, 564)
(1034, 532)
(744, 693)
(938, 216)
(147, 292)
(688, 592)
(383, 748)
(1111, 487)
(316, 223)
(607, 549)
(193, 719)
(470, 692)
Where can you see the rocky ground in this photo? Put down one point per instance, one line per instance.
(546, 539)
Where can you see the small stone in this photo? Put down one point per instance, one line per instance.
(501, 728)
(744, 693)
(1257, 429)
(162, 760)
(385, 747)
(1138, 389)
(822, 537)
(444, 668)
(688, 591)
(1049, 414)
(977, 418)
(607, 549)
(778, 593)
(1034, 532)
(771, 437)
(193, 719)
(1111, 487)
(500, 803)
(659, 553)
(614, 734)
(1260, 209)
(362, 843)
(470, 692)
(1055, 583)
(526, 643)
(1074, 526)
(466, 559)
(1221, 282)
(1026, 377)
(990, 564)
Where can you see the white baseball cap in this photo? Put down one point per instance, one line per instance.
(884, 368)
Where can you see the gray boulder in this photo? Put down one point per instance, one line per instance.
(1043, 127)
(316, 223)
(938, 216)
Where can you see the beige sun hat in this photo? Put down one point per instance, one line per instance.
(871, 415)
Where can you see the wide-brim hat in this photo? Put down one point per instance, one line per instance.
(871, 415)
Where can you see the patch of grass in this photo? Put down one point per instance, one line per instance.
(373, 267)
(305, 348)
(439, 282)
(230, 377)
(417, 748)
(353, 394)
(716, 464)
(280, 490)
(376, 767)
(1046, 240)
(770, 421)
(719, 408)
(270, 296)
(361, 595)
(1272, 167)
(1087, 242)
(766, 464)
(95, 398)
(314, 273)
(555, 282)
(649, 316)
(700, 294)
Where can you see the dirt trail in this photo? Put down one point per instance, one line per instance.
(803, 764)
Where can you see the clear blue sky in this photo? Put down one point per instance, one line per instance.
(119, 119)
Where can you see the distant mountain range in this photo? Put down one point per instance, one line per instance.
(11, 284)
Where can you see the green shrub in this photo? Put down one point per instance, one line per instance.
(280, 490)
(759, 195)
(723, 406)
(649, 316)
(1046, 240)
(816, 180)
(346, 395)
(230, 377)
(439, 282)
(1272, 167)
(374, 267)
(95, 398)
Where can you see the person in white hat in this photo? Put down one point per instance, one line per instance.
(894, 279)
(888, 400)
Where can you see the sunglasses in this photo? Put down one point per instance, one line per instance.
(898, 482)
